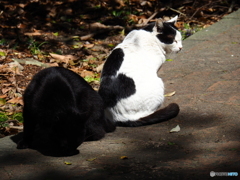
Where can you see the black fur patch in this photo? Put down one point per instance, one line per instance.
(61, 110)
(113, 62)
(167, 32)
(114, 89)
(149, 27)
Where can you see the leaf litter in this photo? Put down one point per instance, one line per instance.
(81, 39)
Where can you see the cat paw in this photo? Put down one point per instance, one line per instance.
(22, 145)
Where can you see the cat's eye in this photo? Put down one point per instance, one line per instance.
(175, 41)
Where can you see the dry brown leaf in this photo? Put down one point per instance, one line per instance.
(77, 70)
(5, 90)
(52, 64)
(17, 100)
(133, 17)
(3, 96)
(16, 67)
(97, 26)
(3, 66)
(100, 67)
(33, 34)
(63, 58)
(86, 73)
(88, 45)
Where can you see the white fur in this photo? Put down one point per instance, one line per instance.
(143, 56)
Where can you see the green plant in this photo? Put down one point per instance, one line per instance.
(17, 116)
(189, 30)
(91, 79)
(122, 13)
(34, 46)
(117, 13)
(4, 117)
(2, 53)
(3, 42)
(56, 34)
(97, 6)
(93, 65)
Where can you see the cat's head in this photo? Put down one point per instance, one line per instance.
(167, 34)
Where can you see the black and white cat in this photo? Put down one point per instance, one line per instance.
(61, 108)
(130, 87)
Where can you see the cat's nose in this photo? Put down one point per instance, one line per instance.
(180, 48)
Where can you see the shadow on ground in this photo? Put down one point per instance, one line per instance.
(204, 144)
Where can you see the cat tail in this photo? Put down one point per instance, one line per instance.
(158, 116)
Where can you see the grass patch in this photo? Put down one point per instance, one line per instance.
(5, 116)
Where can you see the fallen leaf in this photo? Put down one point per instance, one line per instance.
(2, 101)
(176, 129)
(17, 100)
(52, 64)
(100, 67)
(86, 73)
(123, 157)
(3, 67)
(67, 163)
(3, 96)
(170, 94)
(5, 90)
(16, 67)
(2, 53)
(33, 34)
(56, 34)
(111, 45)
(63, 58)
(92, 159)
(88, 45)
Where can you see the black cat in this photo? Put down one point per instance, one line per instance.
(61, 110)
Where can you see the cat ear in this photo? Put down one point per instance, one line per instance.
(158, 26)
(173, 20)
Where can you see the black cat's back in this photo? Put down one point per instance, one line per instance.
(60, 106)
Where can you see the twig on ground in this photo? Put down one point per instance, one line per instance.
(177, 11)
(99, 28)
(16, 127)
(199, 9)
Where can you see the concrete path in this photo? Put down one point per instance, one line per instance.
(206, 78)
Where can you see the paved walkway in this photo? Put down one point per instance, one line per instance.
(206, 78)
